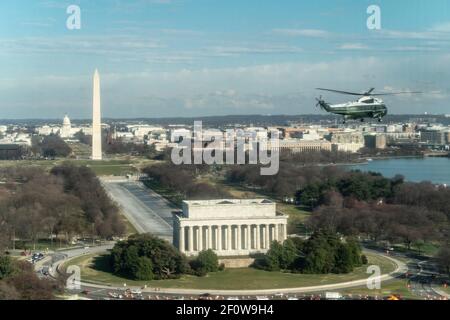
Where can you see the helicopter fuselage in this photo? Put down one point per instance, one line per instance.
(365, 107)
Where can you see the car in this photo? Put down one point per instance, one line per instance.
(136, 291)
(45, 270)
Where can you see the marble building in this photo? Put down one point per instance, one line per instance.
(229, 227)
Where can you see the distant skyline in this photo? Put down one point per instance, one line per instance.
(191, 58)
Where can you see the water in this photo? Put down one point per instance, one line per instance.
(434, 169)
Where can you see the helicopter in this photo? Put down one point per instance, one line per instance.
(368, 106)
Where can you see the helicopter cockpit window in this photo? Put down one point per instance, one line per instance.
(367, 101)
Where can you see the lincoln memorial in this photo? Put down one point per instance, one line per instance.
(229, 227)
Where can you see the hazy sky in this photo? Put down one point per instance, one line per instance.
(161, 58)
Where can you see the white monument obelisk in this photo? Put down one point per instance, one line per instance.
(96, 120)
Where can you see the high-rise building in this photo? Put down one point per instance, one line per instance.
(375, 141)
(96, 120)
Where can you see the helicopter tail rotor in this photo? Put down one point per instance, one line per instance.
(320, 103)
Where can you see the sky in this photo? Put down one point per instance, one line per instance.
(171, 58)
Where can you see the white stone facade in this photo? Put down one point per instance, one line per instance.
(229, 227)
(96, 120)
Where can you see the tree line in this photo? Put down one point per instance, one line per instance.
(50, 146)
(18, 281)
(324, 252)
(184, 181)
(146, 257)
(65, 202)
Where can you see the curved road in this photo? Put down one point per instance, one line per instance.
(101, 291)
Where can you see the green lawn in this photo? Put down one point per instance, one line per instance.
(45, 164)
(101, 168)
(427, 248)
(95, 269)
(394, 287)
(297, 217)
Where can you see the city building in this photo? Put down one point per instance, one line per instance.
(66, 128)
(346, 141)
(229, 227)
(299, 145)
(375, 141)
(438, 137)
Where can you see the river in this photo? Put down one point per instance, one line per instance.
(434, 169)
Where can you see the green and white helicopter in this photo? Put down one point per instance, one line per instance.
(368, 106)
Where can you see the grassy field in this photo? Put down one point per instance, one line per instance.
(96, 269)
(426, 249)
(395, 287)
(297, 217)
(101, 168)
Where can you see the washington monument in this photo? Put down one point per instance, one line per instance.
(96, 121)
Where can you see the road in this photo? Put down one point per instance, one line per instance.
(146, 210)
(422, 278)
(102, 291)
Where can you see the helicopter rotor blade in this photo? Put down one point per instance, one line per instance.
(342, 92)
(369, 93)
(395, 93)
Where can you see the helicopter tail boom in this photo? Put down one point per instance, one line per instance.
(322, 104)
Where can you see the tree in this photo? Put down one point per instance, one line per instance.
(279, 256)
(324, 252)
(443, 258)
(206, 261)
(288, 255)
(144, 269)
(30, 287)
(8, 292)
(310, 195)
(343, 259)
(271, 260)
(166, 261)
(53, 146)
(6, 267)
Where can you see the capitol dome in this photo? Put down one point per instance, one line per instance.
(66, 128)
(66, 121)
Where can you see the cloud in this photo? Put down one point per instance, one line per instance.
(312, 33)
(52, 4)
(280, 88)
(112, 45)
(257, 49)
(353, 46)
(441, 27)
